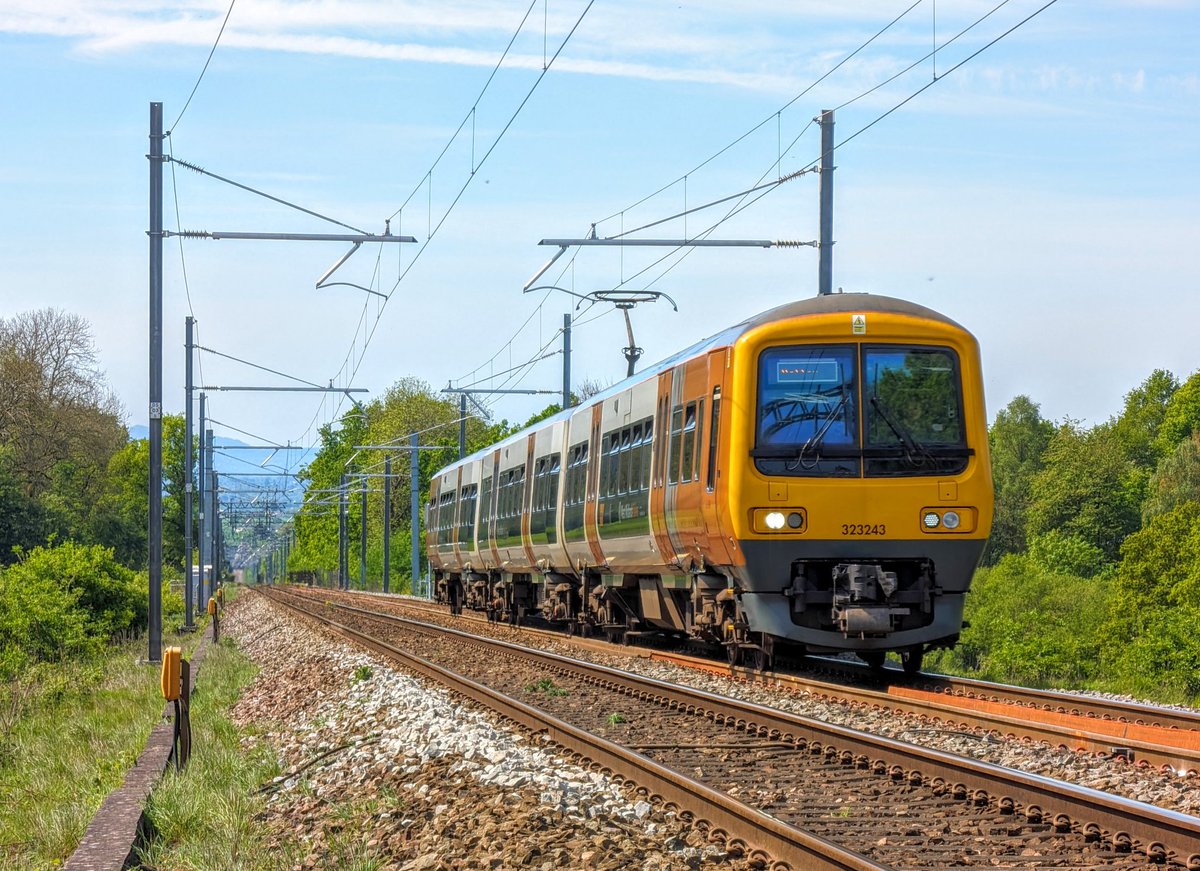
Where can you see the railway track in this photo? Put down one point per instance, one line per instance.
(1141, 734)
(781, 785)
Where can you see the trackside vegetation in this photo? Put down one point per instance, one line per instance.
(1092, 576)
(69, 737)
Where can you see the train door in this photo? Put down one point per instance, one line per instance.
(592, 507)
(526, 501)
(714, 543)
(684, 485)
(658, 468)
(487, 542)
(455, 507)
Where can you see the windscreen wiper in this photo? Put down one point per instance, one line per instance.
(815, 440)
(914, 451)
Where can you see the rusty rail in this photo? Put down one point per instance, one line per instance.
(1125, 824)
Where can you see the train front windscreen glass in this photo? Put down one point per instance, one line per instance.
(848, 410)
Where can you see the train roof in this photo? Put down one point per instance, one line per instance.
(817, 305)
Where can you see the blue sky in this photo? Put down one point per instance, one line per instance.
(1046, 194)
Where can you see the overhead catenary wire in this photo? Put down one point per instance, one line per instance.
(204, 69)
(454, 202)
(769, 118)
(685, 252)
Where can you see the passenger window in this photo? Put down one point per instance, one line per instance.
(688, 442)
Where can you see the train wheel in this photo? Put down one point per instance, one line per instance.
(873, 658)
(733, 652)
(912, 659)
(761, 661)
(570, 628)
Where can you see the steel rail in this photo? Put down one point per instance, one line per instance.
(1083, 728)
(1162, 835)
(764, 838)
(1051, 700)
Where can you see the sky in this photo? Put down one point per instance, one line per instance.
(1044, 193)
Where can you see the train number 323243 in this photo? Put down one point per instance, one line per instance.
(864, 529)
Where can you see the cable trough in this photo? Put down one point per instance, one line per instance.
(779, 776)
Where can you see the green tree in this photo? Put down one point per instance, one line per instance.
(1087, 488)
(1181, 417)
(410, 406)
(120, 518)
(1152, 648)
(1061, 553)
(1175, 481)
(1031, 624)
(1141, 419)
(22, 519)
(1017, 440)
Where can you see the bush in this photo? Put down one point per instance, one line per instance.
(39, 621)
(1031, 624)
(65, 602)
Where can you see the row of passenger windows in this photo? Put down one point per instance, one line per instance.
(625, 468)
(625, 459)
(545, 483)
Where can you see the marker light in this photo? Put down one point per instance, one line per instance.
(931, 520)
(795, 520)
(950, 519)
(775, 520)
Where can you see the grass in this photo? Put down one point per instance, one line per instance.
(209, 815)
(72, 731)
(548, 687)
(203, 816)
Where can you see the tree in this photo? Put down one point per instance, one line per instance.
(1153, 649)
(22, 519)
(1031, 624)
(54, 405)
(1181, 417)
(1056, 551)
(1017, 439)
(120, 519)
(1175, 481)
(1087, 488)
(1138, 425)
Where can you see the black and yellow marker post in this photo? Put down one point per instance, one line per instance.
(177, 688)
(216, 620)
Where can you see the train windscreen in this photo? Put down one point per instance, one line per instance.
(813, 401)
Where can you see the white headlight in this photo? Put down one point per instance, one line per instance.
(931, 520)
(775, 520)
(950, 518)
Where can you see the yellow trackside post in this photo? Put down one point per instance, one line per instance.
(171, 673)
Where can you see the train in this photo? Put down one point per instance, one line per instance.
(815, 478)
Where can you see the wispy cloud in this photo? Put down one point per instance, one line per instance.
(762, 45)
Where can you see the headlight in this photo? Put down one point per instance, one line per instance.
(779, 521)
(959, 520)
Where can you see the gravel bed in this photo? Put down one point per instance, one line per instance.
(383, 764)
(1179, 793)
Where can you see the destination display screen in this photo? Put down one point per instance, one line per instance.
(808, 371)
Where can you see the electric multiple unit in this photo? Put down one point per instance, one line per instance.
(816, 475)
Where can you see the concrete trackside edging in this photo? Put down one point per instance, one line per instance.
(119, 823)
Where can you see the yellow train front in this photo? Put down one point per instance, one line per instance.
(859, 490)
(817, 475)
